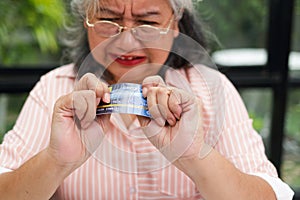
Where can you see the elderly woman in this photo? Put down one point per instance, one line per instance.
(198, 142)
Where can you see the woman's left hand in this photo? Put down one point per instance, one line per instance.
(175, 127)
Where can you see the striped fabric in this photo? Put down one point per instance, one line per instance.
(129, 167)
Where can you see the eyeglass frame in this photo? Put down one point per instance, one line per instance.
(133, 29)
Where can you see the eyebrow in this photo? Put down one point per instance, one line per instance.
(110, 11)
(147, 14)
(141, 15)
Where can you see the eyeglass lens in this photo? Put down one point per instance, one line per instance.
(145, 33)
(106, 29)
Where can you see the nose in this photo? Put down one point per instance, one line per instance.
(126, 40)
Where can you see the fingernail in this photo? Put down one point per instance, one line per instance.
(145, 90)
(106, 97)
(177, 116)
(97, 101)
(171, 122)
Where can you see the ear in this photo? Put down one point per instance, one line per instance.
(176, 29)
(176, 22)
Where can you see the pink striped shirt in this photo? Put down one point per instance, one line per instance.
(129, 167)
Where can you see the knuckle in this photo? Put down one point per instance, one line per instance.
(151, 90)
(84, 78)
(88, 75)
(90, 94)
(153, 80)
(59, 101)
(161, 91)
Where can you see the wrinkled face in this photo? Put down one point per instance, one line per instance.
(126, 54)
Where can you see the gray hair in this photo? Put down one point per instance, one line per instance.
(90, 6)
(76, 36)
(179, 5)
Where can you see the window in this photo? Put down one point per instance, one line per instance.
(10, 106)
(291, 145)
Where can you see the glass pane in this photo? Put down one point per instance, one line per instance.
(10, 106)
(291, 158)
(258, 103)
(238, 38)
(291, 152)
(294, 60)
(241, 27)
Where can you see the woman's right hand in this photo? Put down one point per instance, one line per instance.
(75, 132)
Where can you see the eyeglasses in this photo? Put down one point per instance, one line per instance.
(144, 32)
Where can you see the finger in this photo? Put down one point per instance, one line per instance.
(63, 108)
(155, 109)
(84, 105)
(103, 92)
(174, 102)
(152, 81)
(90, 82)
(92, 137)
(162, 97)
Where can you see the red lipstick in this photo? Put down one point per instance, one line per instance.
(129, 60)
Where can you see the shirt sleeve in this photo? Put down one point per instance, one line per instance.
(4, 170)
(281, 189)
(243, 146)
(30, 134)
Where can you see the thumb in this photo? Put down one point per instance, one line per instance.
(92, 136)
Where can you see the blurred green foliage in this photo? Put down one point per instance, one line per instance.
(296, 32)
(258, 122)
(29, 30)
(14, 106)
(236, 23)
(293, 115)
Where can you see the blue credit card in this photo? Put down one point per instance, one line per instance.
(125, 98)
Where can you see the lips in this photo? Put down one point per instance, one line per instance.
(129, 60)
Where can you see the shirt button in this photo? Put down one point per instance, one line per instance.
(132, 190)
